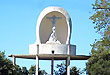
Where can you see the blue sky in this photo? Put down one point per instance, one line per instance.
(18, 27)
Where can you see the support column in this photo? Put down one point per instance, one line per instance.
(52, 62)
(37, 64)
(68, 65)
(52, 65)
(14, 60)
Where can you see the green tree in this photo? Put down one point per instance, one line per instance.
(99, 62)
(6, 66)
(75, 71)
(32, 71)
(24, 71)
(101, 16)
(62, 70)
(17, 70)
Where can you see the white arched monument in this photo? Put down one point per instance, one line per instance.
(53, 32)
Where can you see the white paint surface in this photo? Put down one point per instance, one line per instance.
(44, 29)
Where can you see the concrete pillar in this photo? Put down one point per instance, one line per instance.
(14, 60)
(52, 65)
(37, 64)
(68, 65)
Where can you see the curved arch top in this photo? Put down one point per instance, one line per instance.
(44, 26)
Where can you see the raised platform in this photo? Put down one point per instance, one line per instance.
(50, 56)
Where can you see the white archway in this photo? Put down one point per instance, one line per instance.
(63, 26)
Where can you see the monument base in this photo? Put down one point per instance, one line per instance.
(48, 48)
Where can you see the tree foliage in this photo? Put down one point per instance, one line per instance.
(24, 71)
(75, 71)
(101, 17)
(6, 66)
(99, 63)
(32, 71)
(62, 70)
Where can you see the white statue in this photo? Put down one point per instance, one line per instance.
(53, 37)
